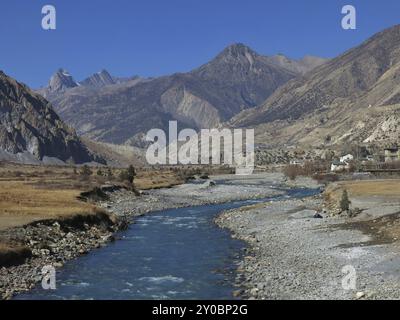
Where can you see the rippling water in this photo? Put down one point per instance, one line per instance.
(171, 254)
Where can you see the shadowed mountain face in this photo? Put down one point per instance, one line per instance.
(29, 125)
(331, 102)
(237, 79)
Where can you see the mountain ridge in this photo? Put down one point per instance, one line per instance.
(364, 77)
(237, 78)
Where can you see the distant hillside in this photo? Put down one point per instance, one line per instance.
(352, 98)
(117, 155)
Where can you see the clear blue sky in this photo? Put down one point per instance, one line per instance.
(157, 37)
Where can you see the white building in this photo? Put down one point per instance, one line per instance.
(347, 158)
(342, 164)
(337, 166)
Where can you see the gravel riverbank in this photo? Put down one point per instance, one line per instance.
(218, 189)
(292, 255)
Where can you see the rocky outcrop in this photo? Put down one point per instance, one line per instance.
(29, 125)
(99, 79)
(51, 242)
(61, 81)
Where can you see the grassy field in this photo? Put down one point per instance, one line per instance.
(31, 193)
(373, 196)
(387, 188)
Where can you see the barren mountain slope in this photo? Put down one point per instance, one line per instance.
(342, 100)
(30, 127)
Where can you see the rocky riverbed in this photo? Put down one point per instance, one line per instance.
(52, 243)
(218, 189)
(55, 242)
(293, 255)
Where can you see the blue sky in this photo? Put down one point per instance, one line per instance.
(157, 37)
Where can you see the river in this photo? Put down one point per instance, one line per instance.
(170, 254)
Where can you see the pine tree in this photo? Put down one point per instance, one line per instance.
(128, 175)
(345, 202)
(131, 174)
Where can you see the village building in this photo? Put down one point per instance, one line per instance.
(347, 158)
(342, 164)
(338, 166)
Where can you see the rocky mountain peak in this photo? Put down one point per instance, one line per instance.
(61, 81)
(99, 79)
(237, 53)
(237, 50)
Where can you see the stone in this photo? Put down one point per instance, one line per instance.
(360, 295)
(254, 292)
(237, 293)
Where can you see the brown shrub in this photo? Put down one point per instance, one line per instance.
(292, 171)
(326, 177)
(391, 165)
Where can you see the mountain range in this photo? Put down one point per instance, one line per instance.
(120, 112)
(351, 99)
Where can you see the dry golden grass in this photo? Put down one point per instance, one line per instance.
(4, 248)
(22, 202)
(386, 188)
(383, 188)
(30, 193)
(155, 180)
(23, 198)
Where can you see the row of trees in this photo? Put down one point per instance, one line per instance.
(308, 169)
(126, 175)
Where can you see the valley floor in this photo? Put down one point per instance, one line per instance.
(291, 255)
(55, 239)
